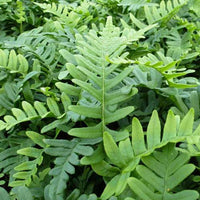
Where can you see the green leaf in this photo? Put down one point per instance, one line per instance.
(138, 142)
(36, 138)
(30, 151)
(112, 151)
(153, 130)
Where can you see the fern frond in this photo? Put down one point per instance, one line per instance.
(165, 11)
(167, 168)
(66, 153)
(10, 159)
(13, 62)
(125, 157)
(184, 104)
(191, 146)
(26, 170)
(62, 12)
(167, 67)
(4, 194)
(21, 193)
(20, 14)
(9, 94)
(102, 77)
(29, 112)
(178, 46)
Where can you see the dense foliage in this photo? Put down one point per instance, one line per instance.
(99, 100)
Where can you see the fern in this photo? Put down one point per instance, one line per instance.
(14, 63)
(99, 84)
(182, 105)
(164, 12)
(124, 159)
(19, 193)
(9, 159)
(66, 153)
(178, 46)
(20, 14)
(191, 146)
(9, 95)
(167, 67)
(26, 170)
(38, 111)
(39, 45)
(161, 173)
(62, 13)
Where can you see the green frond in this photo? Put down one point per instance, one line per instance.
(63, 13)
(9, 159)
(9, 95)
(127, 154)
(22, 193)
(165, 11)
(101, 79)
(39, 110)
(181, 106)
(167, 67)
(161, 173)
(13, 62)
(178, 45)
(4, 194)
(192, 145)
(28, 169)
(67, 155)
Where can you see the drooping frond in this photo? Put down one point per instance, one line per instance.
(63, 13)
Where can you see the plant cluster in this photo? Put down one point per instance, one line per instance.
(99, 100)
